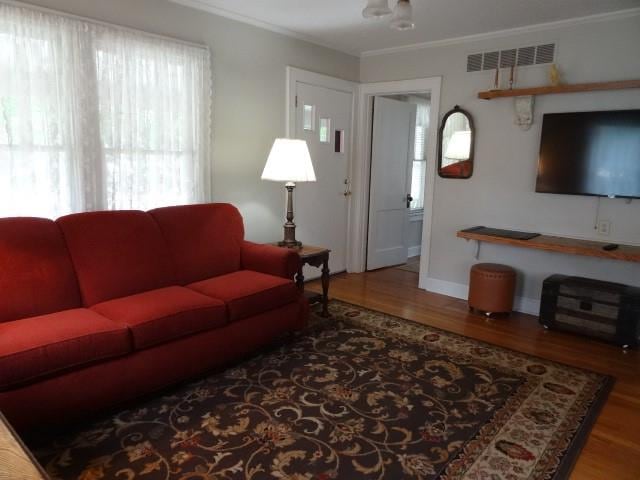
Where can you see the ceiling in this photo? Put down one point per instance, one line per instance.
(339, 24)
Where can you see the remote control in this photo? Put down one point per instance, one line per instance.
(610, 247)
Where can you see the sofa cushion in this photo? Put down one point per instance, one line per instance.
(165, 314)
(36, 274)
(249, 293)
(117, 254)
(205, 240)
(38, 346)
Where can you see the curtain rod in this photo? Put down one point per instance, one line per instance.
(16, 3)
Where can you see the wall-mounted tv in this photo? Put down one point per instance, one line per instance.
(590, 153)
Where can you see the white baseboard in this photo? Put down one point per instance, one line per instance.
(458, 290)
(527, 305)
(415, 251)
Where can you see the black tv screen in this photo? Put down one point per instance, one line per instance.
(590, 153)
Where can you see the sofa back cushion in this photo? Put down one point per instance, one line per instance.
(116, 254)
(205, 240)
(36, 274)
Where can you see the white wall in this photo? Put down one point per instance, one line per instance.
(249, 93)
(501, 191)
(415, 234)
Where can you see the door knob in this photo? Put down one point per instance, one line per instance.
(409, 200)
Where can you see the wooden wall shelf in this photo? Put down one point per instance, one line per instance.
(575, 88)
(571, 246)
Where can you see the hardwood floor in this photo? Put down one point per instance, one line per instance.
(613, 449)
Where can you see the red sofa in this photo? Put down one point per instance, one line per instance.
(100, 308)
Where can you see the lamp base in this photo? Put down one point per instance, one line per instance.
(290, 236)
(294, 244)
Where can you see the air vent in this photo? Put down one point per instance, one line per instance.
(545, 53)
(474, 62)
(490, 61)
(521, 57)
(526, 56)
(508, 58)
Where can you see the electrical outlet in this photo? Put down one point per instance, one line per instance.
(604, 228)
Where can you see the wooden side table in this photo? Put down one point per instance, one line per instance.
(316, 257)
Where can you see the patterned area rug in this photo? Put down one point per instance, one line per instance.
(364, 396)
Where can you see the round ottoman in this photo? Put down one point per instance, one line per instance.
(491, 288)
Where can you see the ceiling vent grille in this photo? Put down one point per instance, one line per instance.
(520, 57)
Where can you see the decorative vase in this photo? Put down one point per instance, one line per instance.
(554, 75)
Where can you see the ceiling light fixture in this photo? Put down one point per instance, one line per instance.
(376, 9)
(403, 16)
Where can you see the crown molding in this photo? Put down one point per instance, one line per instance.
(538, 27)
(221, 12)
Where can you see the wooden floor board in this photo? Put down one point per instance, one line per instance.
(613, 449)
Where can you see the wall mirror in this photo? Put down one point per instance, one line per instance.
(456, 140)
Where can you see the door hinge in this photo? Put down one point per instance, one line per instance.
(296, 101)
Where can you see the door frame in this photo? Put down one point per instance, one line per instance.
(362, 168)
(406, 188)
(295, 75)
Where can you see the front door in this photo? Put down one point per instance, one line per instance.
(392, 152)
(323, 119)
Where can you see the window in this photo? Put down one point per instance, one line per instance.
(420, 157)
(95, 117)
(309, 118)
(325, 130)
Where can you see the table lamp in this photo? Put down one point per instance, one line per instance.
(289, 162)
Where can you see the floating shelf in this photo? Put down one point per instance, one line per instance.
(572, 246)
(549, 90)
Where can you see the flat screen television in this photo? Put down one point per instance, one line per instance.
(590, 153)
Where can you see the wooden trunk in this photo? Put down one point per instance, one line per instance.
(604, 310)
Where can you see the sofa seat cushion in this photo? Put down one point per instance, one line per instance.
(248, 293)
(165, 314)
(35, 347)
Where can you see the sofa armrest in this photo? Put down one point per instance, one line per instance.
(281, 262)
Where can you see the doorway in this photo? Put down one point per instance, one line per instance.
(362, 167)
(320, 111)
(400, 127)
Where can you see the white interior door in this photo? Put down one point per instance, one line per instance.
(392, 149)
(323, 119)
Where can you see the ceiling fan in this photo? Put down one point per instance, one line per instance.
(402, 14)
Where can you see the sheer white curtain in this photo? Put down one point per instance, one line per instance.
(153, 104)
(39, 144)
(98, 117)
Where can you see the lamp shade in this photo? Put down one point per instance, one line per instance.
(289, 161)
(403, 16)
(459, 147)
(376, 9)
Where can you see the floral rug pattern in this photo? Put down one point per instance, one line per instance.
(363, 395)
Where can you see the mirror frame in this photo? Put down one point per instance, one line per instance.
(456, 109)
